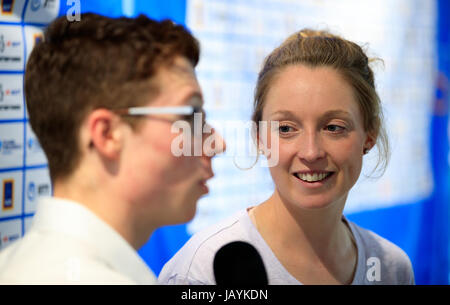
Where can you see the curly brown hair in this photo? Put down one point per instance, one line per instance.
(98, 62)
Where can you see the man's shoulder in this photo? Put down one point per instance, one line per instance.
(40, 258)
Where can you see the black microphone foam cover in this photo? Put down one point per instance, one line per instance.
(239, 264)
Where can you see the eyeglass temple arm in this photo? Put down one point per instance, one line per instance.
(180, 110)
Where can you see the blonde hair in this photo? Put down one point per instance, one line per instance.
(323, 49)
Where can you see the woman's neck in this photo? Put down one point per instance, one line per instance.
(312, 236)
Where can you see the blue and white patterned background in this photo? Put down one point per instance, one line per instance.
(23, 166)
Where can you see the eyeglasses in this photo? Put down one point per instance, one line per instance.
(186, 113)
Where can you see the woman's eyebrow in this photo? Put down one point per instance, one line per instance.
(329, 114)
(289, 115)
(285, 114)
(337, 113)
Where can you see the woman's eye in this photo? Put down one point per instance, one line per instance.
(285, 128)
(334, 128)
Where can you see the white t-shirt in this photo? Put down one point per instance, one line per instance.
(68, 244)
(379, 261)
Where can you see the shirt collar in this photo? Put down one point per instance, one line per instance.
(71, 218)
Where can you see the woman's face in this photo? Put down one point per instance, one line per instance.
(321, 136)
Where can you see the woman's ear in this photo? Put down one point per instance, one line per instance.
(261, 147)
(369, 143)
(104, 133)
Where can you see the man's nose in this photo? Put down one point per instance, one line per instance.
(213, 144)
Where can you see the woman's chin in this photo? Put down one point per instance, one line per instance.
(314, 206)
(311, 203)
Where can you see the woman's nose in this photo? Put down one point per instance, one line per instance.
(311, 148)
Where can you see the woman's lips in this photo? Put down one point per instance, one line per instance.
(313, 177)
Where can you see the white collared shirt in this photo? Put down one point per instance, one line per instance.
(68, 244)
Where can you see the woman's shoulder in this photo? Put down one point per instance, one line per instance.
(376, 244)
(395, 265)
(193, 263)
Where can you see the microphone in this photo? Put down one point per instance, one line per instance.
(239, 264)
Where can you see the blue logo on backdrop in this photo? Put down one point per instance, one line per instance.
(42, 189)
(35, 5)
(8, 92)
(5, 43)
(34, 146)
(7, 147)
(10, 238)
(31, 191)
(10, 45)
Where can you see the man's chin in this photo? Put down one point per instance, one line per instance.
(185, 213)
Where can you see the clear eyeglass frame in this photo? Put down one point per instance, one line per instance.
(186, 113)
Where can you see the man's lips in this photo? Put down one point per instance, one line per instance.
(204, 180)
(204, 186)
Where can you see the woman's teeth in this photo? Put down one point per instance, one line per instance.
(312, 177)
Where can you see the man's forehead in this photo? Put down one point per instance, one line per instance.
(182, 65)
(179, 79)
(180, 69)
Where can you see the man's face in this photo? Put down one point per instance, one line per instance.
(160, 183)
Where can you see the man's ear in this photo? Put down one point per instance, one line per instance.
(105, 133)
